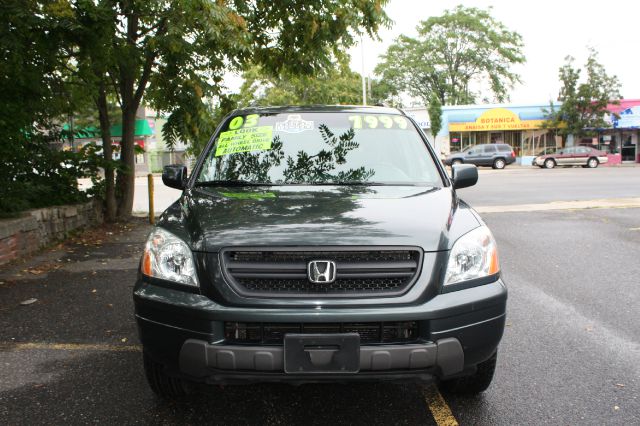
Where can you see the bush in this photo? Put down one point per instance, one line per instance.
(37, 173)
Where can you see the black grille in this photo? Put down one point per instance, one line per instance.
(358, 272)
(273, 333)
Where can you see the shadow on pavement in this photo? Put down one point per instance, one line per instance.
(83, 387)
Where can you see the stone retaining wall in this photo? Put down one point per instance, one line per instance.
(39, 228)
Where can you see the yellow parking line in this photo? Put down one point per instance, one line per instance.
(69, 347)
(438, 406)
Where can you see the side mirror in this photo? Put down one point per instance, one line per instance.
(464, 175)
(175, 176)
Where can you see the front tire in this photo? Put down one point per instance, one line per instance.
(166, 387)
(499, 163)
(592, 163)
(474, 384)
(549, 163)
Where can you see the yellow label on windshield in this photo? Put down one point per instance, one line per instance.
(246, 139)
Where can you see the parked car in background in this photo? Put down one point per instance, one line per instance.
(496, 155)
(571, 156)
(546, 151)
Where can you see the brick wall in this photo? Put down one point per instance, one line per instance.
(39, 228)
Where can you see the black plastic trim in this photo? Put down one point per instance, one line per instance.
(353, 295)
(470, 283)
(170, 284)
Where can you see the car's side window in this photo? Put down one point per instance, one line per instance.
(489, 149)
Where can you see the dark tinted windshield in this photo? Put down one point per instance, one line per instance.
(319, 148)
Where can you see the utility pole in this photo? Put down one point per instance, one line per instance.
(71, 132)
(364, 80)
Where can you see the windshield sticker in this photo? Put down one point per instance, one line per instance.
(245, 140)
(378, 121)
(249, 195)
(294, 124)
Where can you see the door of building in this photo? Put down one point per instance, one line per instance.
(629, 144)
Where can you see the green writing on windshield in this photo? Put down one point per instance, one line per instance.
(245, 140)
(249, 195)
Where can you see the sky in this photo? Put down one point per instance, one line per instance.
(551, 30)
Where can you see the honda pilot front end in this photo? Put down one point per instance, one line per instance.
(319, 244)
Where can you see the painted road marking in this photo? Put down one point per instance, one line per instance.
(12, 346)
(605, 203)
(438, 406)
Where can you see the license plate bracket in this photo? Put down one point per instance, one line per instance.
(322, 353)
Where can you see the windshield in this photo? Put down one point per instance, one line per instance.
(319, 148)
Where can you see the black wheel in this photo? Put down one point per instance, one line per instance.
(592, 163)
(474, 384)
(549, 163)
(499, 163)
(456, 162)
(161, 384)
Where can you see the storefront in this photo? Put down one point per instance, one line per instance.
(88, 135)
(520, 126)
(621, 140)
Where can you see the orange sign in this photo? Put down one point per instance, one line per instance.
(496, 119)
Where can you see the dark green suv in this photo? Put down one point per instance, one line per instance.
(319, 244)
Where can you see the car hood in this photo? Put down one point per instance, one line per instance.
(212, 218)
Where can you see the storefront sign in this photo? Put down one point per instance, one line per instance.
(629, 118)
(496, 119)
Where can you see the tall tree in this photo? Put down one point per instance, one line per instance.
(176, 54)
(456, 57)
(584, 104)
(336, 84)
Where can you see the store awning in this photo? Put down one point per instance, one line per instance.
(142, 129)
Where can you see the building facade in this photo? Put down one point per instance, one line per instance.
(522, 127)
(622, 138)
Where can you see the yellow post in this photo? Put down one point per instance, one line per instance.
(152, 218)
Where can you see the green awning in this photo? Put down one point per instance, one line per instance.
(142, 129)
(83, 132)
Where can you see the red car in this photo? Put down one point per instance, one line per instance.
(571, 156)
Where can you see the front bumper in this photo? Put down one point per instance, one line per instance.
(185, 332)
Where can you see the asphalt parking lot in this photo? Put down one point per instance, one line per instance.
(570, 354)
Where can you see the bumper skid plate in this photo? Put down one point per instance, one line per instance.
(200, 359)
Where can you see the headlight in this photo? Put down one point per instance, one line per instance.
(169, 258)
(474, 255)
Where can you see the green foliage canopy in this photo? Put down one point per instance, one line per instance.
(455, 57)
(176, 54)
(584, 104)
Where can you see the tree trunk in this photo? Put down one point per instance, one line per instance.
(107, 150)
(130, 99)
(127, 176)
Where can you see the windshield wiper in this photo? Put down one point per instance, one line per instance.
(232, 183)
